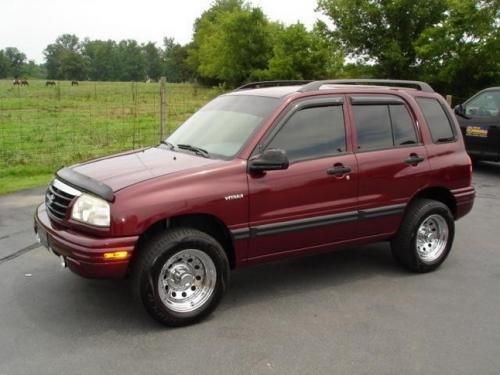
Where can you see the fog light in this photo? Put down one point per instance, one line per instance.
(116, 255)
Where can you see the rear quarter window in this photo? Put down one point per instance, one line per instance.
(439, 124)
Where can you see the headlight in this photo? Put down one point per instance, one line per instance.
(91, 210)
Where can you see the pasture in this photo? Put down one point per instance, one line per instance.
(43, 127)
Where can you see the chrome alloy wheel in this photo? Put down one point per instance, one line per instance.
(187, 280)
(432, 238)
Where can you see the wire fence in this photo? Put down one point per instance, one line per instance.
(49, 126)
(43, 127)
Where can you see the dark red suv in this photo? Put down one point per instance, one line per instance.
(260, 174)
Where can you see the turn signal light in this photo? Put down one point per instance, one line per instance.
(116, 255)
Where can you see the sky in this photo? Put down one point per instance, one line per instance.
(30, 25)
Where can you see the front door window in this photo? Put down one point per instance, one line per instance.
(486, 104)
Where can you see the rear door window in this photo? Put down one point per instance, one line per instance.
(437, 120)
(402, 126)
(382, 125)
(373, 126)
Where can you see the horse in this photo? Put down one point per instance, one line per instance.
(50, 83)
(24, 82)
(74, 83)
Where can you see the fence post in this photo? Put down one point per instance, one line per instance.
(449, 99)
(163, 108)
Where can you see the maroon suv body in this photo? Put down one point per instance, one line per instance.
(379, 159)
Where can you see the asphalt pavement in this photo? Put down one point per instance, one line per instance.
(349, 312)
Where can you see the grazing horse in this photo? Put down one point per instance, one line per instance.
(50, 83)
(74, 83)
(24, 82)
(16, 82)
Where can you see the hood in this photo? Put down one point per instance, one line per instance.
(122, 170)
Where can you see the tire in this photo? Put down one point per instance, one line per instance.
(180, 276)
(425, 236)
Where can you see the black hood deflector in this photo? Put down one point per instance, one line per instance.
(85, 183)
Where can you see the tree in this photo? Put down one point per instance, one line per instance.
(99, 60)
(205, 25)
(460, 55)
(231, 43)
(384, 31)
(302, 54)
(4, 65)
(132, 61)
(103, 60)
(175, 66)
(152, 57)
(64, 59)
(33, 70)
(13, 64)
(15, 61)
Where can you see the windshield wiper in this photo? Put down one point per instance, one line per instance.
(195, 149)
(168, 144)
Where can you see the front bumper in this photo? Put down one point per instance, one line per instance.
(85, 254)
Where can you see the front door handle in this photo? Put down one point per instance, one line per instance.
(339, 170)
(414, 159)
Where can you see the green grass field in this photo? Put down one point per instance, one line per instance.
(43, 128)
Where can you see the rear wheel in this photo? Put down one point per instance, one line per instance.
(425, 237)
(181, 276)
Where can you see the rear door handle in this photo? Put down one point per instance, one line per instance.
(338, 170)
(414, 159)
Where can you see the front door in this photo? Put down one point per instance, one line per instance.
(313, 202)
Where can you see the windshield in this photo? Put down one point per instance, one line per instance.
(224, 125)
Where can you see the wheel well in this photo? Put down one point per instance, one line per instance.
(440, 194)
(208, 224)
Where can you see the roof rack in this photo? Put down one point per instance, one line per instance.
(419, 85)
(262, 84)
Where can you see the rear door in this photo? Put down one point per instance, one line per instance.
(392, 161)
(481, 129)
(313, 202)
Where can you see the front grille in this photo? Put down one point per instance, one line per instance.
(58, 198)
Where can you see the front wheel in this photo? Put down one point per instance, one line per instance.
(181, 276)
(425, 237)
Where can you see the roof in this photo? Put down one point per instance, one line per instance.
(497, 88)
(282, 91)
(419, 85)
(273, 92)
(279, 89)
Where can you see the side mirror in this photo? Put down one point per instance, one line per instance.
(269, 160)
(460, 110)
